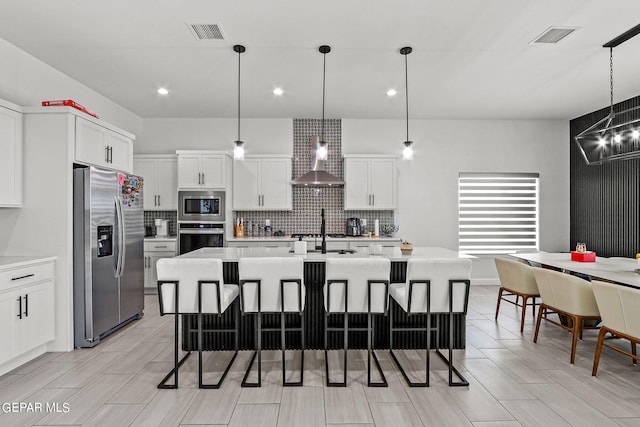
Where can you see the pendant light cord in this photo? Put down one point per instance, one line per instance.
(239, 53)
(611, 79)
(324, 71)
(406, 92)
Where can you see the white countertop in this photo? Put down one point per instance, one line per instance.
(394, 254)
(288, 238)
(9, 262)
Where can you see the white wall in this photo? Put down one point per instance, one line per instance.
(27, 81)
(261, 136)
(427, 205)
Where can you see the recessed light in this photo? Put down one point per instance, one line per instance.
(392, 92)
(163, 91)
(278, 91)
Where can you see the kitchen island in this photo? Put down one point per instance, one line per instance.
(314, 277)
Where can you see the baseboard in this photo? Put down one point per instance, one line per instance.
(22, 359)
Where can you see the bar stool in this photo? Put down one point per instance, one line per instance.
(620, 310)
(516, 278)
(566, 295)
(272, 285)
(355, 285)
(433, 286)
(195, 286)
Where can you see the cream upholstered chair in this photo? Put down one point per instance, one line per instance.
(355, 285)
(196, 287)
(516, 278)
(620, 310)
(569, 296)
(272, 285)
(433, 286)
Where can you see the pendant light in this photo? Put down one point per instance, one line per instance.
(238, 145)
(322, 152)
(407, 152)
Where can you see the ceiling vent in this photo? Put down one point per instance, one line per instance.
(553, 35)
(206, 31)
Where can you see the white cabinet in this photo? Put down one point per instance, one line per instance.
(201, 170)
(26, 309)
(160, 173)
(370, 183)
(261, 184)
(155, 249)
(11, 157)
(100, 146)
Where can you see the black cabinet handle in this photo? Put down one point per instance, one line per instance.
(23, 277)
(20, 307)
(26, 305)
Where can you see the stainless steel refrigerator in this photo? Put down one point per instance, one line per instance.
(108, 252)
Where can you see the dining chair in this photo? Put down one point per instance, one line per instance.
(516, 278)
(569, 296)
(195, 286)
(433, 286)
(620, 310)
(355, 285)
(272, 285)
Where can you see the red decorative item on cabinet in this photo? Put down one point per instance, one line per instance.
(68, 103)
(583, 256)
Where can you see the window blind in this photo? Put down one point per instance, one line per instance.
(497, 212)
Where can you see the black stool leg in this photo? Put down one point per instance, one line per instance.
(176, 364)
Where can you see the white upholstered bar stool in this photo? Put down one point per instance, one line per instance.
(620, 310)
(272, 285)
(433, 286)
(355, 285)
(516, 278)
(196, 287)
(566, 295)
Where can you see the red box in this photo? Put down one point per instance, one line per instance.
(583, 256)
(69, 103)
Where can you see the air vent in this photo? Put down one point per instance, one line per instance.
(553, 35)
(206, 31)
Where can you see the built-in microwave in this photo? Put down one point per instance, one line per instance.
(201, 206)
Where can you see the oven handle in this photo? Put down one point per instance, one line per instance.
(210, 231)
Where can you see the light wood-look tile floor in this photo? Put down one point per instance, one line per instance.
(513, 382)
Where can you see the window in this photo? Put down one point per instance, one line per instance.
(497, 212)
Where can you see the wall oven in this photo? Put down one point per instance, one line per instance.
(192, 236)
(201, 206)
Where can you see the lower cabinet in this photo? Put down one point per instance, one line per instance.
(155, 250)
(26, 310)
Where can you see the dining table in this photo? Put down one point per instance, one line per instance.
(622, 271)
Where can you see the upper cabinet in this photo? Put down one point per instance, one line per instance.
(160, 174)
(100, 146)
(11, 158)
(198, 170)
(370, 183)
(262, 184)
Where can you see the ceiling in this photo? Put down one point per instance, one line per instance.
(471, 58)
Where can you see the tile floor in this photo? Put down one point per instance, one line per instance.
(514, 382)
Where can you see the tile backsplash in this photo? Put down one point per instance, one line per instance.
(307, 202)
(172, 216)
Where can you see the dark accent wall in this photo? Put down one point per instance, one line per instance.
(605, 199)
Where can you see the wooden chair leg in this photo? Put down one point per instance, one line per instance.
(574, 339)
(596, 358)
(633, 351)
(500, 291)
(524, 311)
(539, 319)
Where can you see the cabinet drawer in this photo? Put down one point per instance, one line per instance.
(160, 246)
(25, 275)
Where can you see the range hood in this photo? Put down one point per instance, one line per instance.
(317, 176)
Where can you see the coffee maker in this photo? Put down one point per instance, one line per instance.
(354, 227)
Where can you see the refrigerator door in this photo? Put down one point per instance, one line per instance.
(96, 294)
(132, 267)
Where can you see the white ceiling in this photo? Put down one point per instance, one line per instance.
(471, 58)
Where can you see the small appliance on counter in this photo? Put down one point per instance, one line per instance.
(354, 227)
(162, 227)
